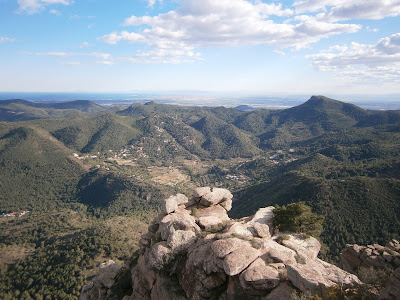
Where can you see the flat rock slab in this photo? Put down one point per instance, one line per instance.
(264, 215)
(278, 252)
(239, 259)
(316, 275)
(307, 248)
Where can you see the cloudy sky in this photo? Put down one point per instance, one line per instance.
(249, 46)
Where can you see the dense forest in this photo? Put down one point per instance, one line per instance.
(91, 178)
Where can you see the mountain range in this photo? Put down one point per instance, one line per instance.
(338, 158)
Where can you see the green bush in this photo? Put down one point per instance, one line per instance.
(297, 217)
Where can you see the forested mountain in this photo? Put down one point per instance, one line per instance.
(21, 110)
(79, 158)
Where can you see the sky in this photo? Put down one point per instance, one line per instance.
(232, 46)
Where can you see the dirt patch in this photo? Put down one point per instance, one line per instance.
(168, 175)
(13, 253)
(125, 162)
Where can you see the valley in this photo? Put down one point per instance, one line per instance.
(93, 178)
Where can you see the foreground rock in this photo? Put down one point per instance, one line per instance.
(193, 250)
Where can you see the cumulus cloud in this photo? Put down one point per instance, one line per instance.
(362, 61)
(340, 10)
(207, 23)
(35, 6)
(4, 39)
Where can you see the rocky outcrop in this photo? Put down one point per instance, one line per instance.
(193, 250)
(386, 259)
(375, 256)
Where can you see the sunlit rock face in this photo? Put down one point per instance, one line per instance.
(193, 250)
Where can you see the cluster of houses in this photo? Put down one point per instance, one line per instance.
(15, 214)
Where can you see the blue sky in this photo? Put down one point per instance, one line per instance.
(233, 46)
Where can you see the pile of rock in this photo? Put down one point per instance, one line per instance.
(100, 287)
(193, 250)
(376, 256)
(354, 258)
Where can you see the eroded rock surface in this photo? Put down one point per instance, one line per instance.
(193, 250)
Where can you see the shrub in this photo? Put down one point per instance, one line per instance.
(297, 217)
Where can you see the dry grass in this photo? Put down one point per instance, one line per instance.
(168, 175)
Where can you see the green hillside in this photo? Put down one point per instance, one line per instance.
(90, 176)
(22, 110)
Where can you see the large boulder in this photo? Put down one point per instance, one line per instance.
(278, 253)
(239, 259)
(108, 271)
(223, 247)
(171, 204)
(215, 196)
(317, 275)
(306, 247)
(262, 277)
(180, 240)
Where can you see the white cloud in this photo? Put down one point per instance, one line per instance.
(35, 6)
(104, 56)
(84, 45)
(151, 3)
(4, 39)
(362, 61)
(224, 23)
(105, 62)
(54, 12)
(340, 10)
(166, 55)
